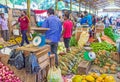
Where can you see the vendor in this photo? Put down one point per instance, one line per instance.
(24, 24)
(4, 27)
(67, 31)
(54, 34)
(89, 18)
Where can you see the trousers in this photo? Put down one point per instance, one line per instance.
(24, 37)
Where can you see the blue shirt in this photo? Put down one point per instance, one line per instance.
(55, 26)
(89, 20)
(83, 21)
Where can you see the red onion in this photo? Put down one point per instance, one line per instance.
(6, 75)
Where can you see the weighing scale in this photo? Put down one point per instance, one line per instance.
(40, 40)
(89, 55)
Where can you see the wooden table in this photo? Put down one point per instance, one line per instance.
(43, 60)
(40, 30)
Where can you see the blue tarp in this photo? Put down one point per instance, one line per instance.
(3, 6)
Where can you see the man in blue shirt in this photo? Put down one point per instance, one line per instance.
(83, 20)
(89, 18)
(54, 34)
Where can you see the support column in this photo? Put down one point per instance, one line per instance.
(6, 2)
(70, 5)
(79, 6)
(56, 4)
(28, 11)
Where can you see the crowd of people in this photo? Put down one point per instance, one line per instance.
(90, 19)
(60, 29)
(63, 28)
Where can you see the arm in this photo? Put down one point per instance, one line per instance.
(45, 24)
(64, 25)
(15, 24)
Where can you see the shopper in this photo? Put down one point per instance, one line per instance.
(24, 21)
(54, 34)
(83, 20)
(4, 27)
(89, 18)
(67, 31)
(94, 20)
(111, 20)
(106, 22)
(118, 22)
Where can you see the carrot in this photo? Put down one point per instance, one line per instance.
(107, 39)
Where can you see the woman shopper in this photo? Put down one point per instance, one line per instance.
(23, 20)
(67, 31)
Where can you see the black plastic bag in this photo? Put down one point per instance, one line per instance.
(17, 59)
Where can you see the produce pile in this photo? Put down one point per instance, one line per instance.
(93, 77)
(102, 46)
(69, 62)
(18, 39)
(6, 75)
(73, 41)
(110, 33)
(104, 60)
(61, 47)
(107, 39)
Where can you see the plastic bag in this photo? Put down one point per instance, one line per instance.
(83, 39)
(16, 59)
(16, 32)
(54, 75)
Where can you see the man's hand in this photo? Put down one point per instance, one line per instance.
(61, 39)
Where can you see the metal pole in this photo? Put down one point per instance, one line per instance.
(6, 2)
(56, 5)
(85, 6)
(79, 6)
(70, 5)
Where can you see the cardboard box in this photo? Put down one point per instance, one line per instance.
(116, 56)
(78, 32)
(84, 67)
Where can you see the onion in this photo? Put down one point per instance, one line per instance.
(6, 75)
